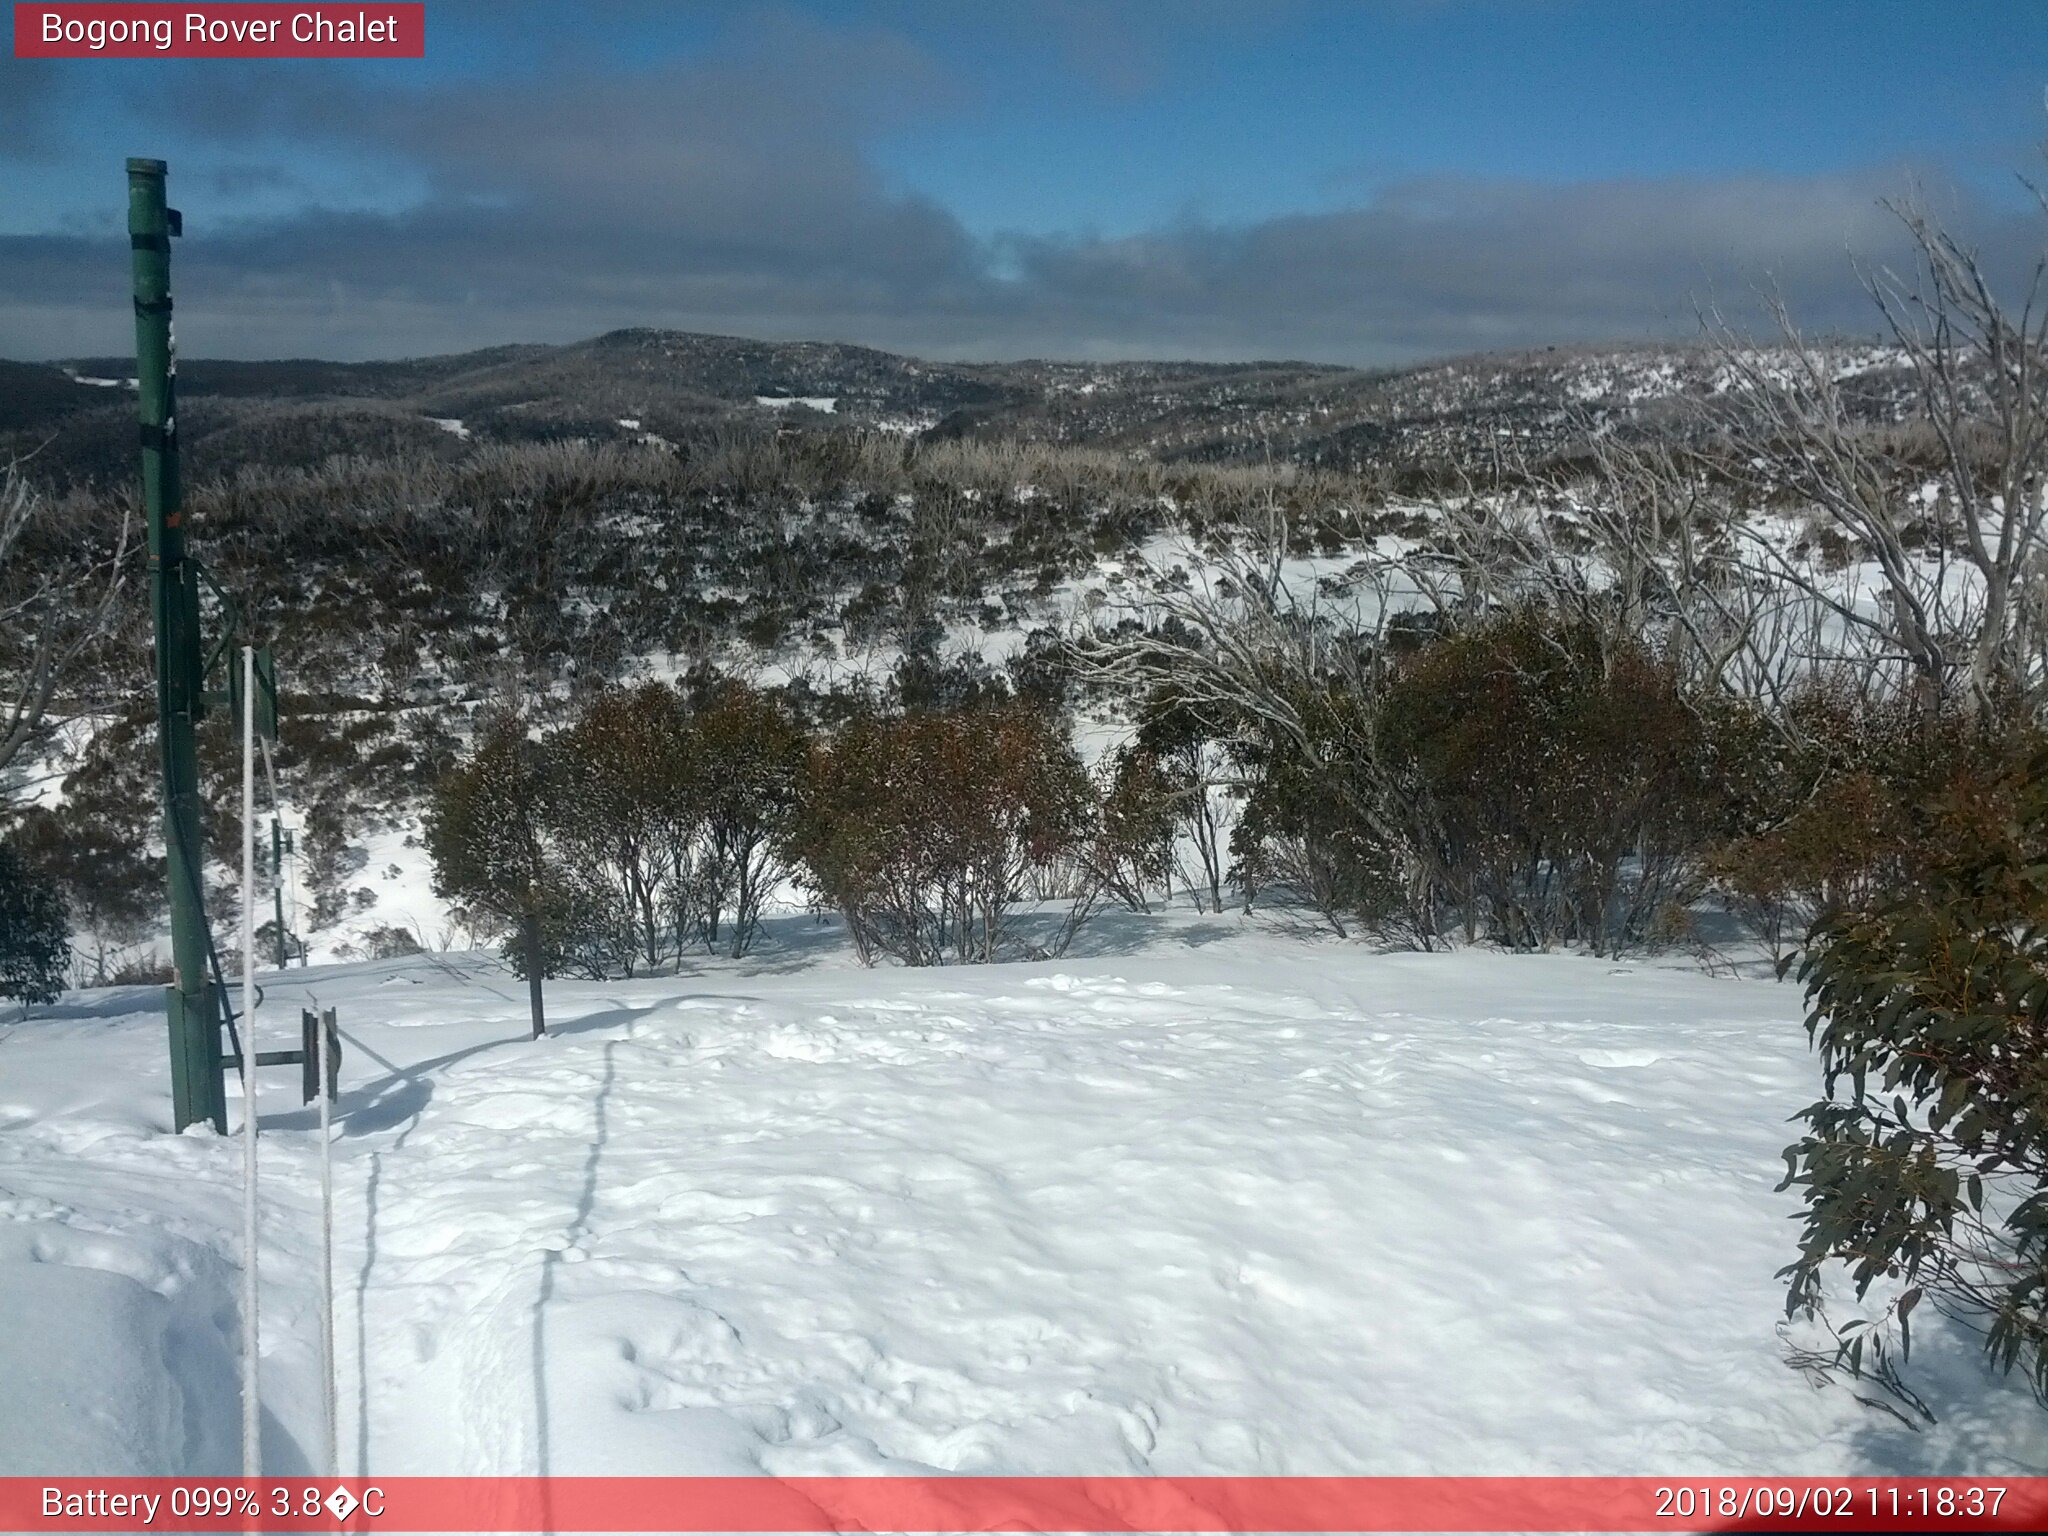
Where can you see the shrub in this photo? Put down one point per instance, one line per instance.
(389, 942)
(35, 935)
(1557, 782)
(1133, 846)
(111, 887)
(920, 829)
(1532, 780)
(149, 969)
(1187, 741)
(1296, 834)
(1926, 1160)
(674, 813)
(1836, 821)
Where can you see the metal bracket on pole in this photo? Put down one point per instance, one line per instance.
(319, 1041)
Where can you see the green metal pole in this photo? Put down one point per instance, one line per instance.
(191, 1003)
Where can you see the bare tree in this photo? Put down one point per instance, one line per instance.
(52, 610)
(1663, 530)
(1270, 657)
(1959, 604)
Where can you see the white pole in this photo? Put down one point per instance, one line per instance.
(252, 1421)
(326, 1244)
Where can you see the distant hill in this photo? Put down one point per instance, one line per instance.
(669, 385)
(38, 395)
(310, 378)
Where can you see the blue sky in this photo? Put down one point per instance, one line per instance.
(1088, 177)
(1308, 107)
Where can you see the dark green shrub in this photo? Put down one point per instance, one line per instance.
(1133, 847)
(35, 934)
(111, 886)
(1296, 833)
(1555, 782)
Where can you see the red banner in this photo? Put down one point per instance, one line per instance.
(98, 30)
(949, 1504)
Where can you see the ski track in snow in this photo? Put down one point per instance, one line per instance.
(1232, 1202)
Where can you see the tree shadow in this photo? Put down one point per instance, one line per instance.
(88, 1003)
(402, 1093)
(1135, 933)
(603, 1018)
(1973, 1406)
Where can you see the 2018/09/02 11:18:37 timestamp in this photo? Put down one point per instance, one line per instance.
(1691, 1501)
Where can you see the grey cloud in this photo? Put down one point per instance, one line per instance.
(739, 241)
(1443, 266)
(732, 196)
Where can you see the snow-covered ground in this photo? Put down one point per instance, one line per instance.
(1211, 1197)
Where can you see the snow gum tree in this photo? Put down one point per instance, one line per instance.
(673, 815)
(489, 834)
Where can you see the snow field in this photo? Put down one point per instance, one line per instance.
(1214, 1199)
